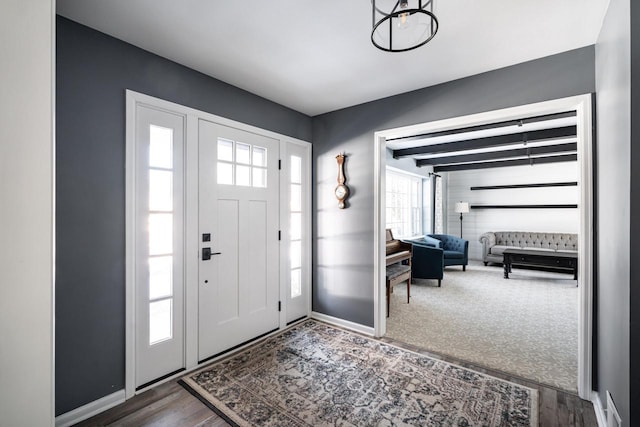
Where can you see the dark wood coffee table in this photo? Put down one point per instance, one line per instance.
(527, 257)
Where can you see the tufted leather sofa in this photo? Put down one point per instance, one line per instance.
(495, 243)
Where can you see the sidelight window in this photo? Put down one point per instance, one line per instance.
(295, 225)
(160, 228)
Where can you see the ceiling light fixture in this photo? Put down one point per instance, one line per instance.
(399, 26)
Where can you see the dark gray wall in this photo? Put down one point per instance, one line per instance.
(613, 85)
(343, 253)
(93, 71)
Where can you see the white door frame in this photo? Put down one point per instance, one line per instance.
(582, 104)
(191, 253)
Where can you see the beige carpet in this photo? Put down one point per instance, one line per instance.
(526, 325)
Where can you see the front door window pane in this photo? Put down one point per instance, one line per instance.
(225, 150)
(259, 177)
(243, 153)
(243, 175)
(259, 156)
(225, 173)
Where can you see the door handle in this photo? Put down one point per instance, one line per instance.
(206, 254)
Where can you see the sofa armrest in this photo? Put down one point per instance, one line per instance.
(488, 239)
(427, 262)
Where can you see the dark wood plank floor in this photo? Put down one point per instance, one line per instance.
(171, 405)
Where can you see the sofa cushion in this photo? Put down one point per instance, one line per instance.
(499, 249)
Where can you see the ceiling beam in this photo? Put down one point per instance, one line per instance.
(489, 141)
(505, 163)
(494, 155)
(516, 122)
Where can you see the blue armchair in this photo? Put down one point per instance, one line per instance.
(456, 249)
(427, 262)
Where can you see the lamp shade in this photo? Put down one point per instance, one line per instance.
(462, 207)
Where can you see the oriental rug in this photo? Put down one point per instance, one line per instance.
(314, 374)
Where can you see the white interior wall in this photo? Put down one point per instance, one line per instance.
(479, 221)
(26, 212)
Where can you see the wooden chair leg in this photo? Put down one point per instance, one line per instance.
(388, 296)
(439, 282)
(464, 268)
(408, 289)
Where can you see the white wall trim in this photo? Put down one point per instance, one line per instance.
(601, 416)
(582, 104)
(352, 326)
(130, 245)
(52, 242)
(379, 225)
(90, 409)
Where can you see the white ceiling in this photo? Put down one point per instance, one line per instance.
(316, 57)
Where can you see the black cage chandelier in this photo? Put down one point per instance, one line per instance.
(399, 26)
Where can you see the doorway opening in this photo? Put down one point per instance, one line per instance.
(581, 106)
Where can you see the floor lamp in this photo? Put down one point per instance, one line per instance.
(461, 208)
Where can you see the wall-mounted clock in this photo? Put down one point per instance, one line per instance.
(341, 191)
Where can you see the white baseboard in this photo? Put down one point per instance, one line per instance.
(597, 407)
(367, 330)
(90, 409)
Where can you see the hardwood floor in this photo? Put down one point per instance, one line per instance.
(171, 405)
(167, 405)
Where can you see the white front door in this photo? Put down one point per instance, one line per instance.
(159, 247)
(239, 237)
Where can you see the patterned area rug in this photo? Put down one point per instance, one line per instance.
(316, 375)
(526, 325)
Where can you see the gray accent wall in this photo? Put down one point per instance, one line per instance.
(93, 71)
(343, 270)
(613, 86)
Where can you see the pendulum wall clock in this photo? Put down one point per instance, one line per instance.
(341, 191)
